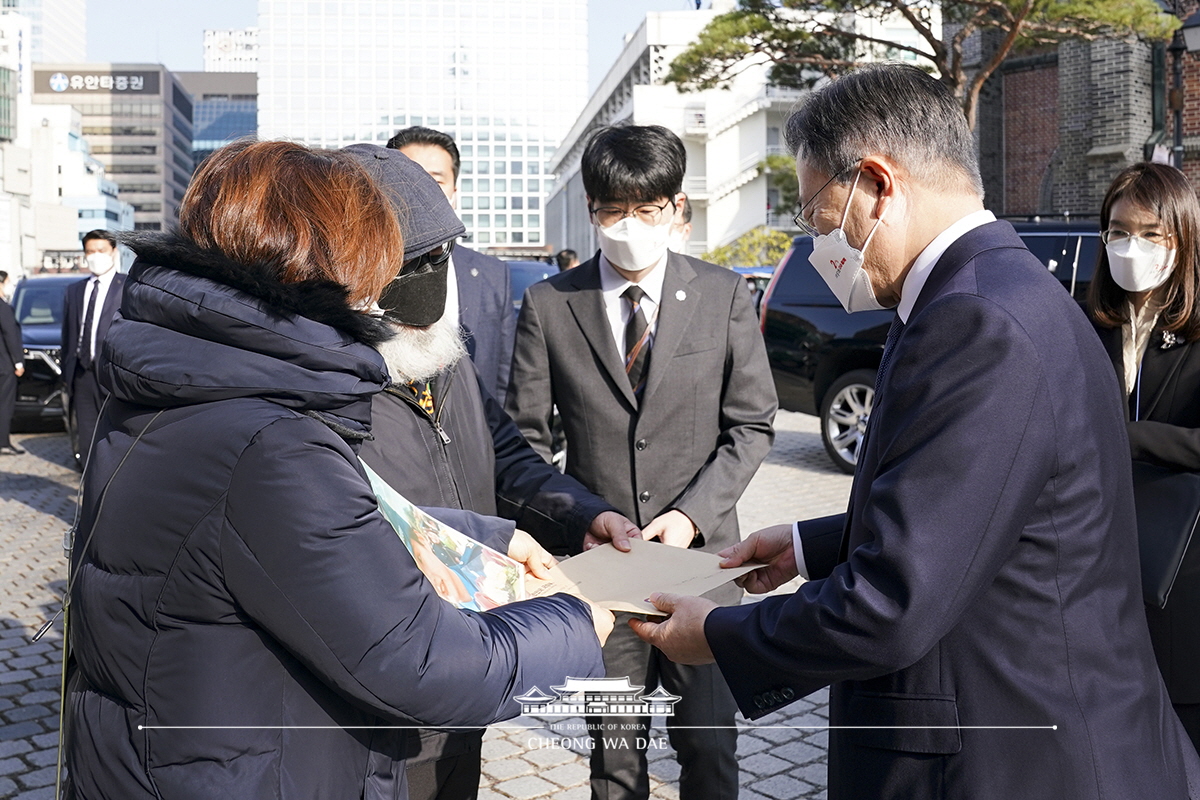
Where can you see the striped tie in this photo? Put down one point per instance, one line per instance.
(637, 340)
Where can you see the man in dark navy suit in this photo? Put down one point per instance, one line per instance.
(481, 293)
(978, 608)
(89, 307)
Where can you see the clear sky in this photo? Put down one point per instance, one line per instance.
(171, 32)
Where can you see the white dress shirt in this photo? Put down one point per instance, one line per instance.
(619, 310)
(101, 289)
(452, 309)
(910, 290)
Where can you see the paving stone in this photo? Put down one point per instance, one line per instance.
(43, 696)
(10, 765)
(41, 777)
(42, 758)
(583, 792)
(7, 787)
(783, 787)
(572, 774)
(816, 773)
(801, 752)
(24, 662)
(45, 793)
(549, 757)
(19, 730)
(528, 786)
(46, 740)
(498, 748)
(506, 768)
(14, 747)
(23, 713)
(749, 744)
(764, 764)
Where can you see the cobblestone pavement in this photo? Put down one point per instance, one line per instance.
(781, 758)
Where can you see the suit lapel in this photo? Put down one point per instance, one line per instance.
(587, 305)
(675, 310)
(1159, 368)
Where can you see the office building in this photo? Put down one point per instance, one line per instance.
(231, 50)
(505, 79)
(224, 108)
(137, 120)
(58, 28)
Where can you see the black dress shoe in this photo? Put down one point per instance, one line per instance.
(11, 450)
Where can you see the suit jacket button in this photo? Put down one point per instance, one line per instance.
(788, 694)
(644, 497)
(759, 702)
(641, 444)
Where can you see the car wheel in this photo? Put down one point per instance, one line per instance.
(844, 413)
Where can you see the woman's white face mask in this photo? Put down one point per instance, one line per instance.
(1138, 265)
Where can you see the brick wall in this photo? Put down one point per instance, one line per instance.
(1030, 99)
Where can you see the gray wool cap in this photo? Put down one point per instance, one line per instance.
(426, 218)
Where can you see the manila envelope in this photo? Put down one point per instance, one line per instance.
(623, 581)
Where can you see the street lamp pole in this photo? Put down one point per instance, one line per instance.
(1177, 49)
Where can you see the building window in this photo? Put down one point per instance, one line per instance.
(485, 185)
(485, 220)
(518, 220)
(467, 203)
(535, 220)
(502, 220)
(516, 167)
(485, 151)
(534, 203)
(468, 220)
(147, 226)
(467, 184)
(484, 167)
(533, 168)
(534, 237)
(468, 168)
(501, 202)
(485, 202)
(517, 203)
(483, 238)
(500, 167)
(517, 237)
(501, 237)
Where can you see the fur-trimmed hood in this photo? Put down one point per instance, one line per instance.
(196, 327)
(324, 301)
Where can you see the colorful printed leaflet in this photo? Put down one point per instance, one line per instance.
(469, 574)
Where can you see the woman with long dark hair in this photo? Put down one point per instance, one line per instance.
(1145, 302)
(244, 622)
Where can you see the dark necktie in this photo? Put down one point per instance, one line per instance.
(893, 334)
(637, 340)
(85, 334)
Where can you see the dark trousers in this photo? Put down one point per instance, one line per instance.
(8, 403)
(87, 397)
(707, 755)
(446, 767)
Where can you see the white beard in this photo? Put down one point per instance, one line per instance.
(418, 354)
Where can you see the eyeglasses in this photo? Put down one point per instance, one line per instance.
(802, 223)
(1117, 235)
(647, 213)
(433, 259)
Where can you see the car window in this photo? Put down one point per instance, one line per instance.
(39, 305)
(525, 274)
(799, 282)
(1053, 251)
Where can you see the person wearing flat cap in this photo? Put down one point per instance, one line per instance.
(442, 440)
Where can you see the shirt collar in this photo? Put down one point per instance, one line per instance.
(613, 284)
(106, 278)
(914, 282)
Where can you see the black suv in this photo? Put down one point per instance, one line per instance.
(38, 305)
(824, 360)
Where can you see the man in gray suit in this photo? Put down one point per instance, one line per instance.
(658, 369)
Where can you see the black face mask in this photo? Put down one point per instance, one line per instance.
(416, 297)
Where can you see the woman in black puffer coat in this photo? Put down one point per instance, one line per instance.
(245, 624)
